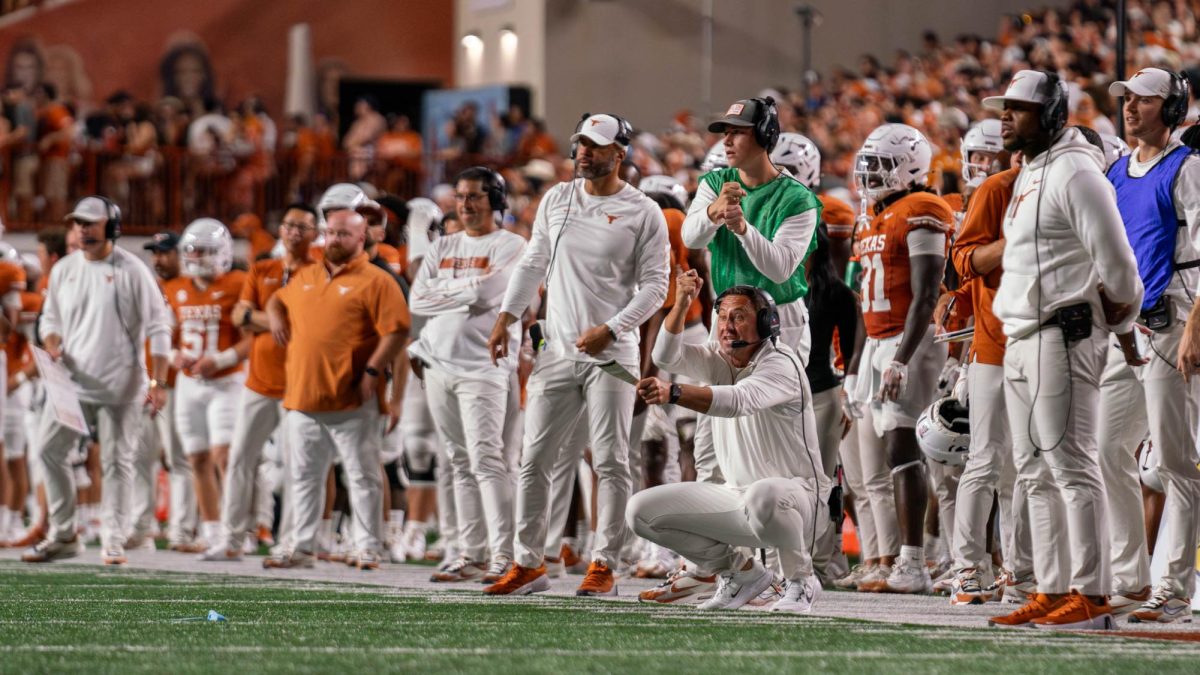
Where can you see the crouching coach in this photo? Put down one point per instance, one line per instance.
(765, 439)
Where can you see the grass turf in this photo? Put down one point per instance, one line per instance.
(69, 618)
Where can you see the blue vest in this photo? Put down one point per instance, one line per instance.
(1147, 206)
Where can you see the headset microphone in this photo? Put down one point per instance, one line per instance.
(739, 344)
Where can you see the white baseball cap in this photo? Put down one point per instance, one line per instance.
(1145, 82)
(1027, 86)
(89, 210)
(600, 129)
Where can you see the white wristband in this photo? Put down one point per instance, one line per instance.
(21, 377)
(226, 359)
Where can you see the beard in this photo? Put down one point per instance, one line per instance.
(597, 170)
(338, 254)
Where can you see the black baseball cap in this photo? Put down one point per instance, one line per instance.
(162, 242)
(740, 114)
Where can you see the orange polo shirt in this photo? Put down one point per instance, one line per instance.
(336, 324)
(393, 257)
(982, 225)
(267, 376)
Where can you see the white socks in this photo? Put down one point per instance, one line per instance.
(913, 555)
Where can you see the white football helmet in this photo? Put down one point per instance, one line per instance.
(423, 226)
(715, 159)
(944, 432)
(983, 137)
(1114, 148)
(799, 156)
(1148, 467)
(9, 254)
(206, 248)
(893, 158)
(346, 196)
(665, 184)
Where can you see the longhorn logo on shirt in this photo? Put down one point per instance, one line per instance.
(181, 295)
(1016, 204)
(109, 277)
(611, 218)
(217, 295)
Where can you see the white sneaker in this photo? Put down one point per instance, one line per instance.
(1127, 602)
(851, 579)
(395, 550)
(555, 568)
(140, 542)
(414, 543)
(943, 582)
(966, 588)
(798, 595)
(1016, 589)
(462, 569)
(449, 555)
(1165, 606)
(496, 569)
(875, 577)
(683, 584)
(113, 554)
(221, 552)
(908, 578)
(735, 589)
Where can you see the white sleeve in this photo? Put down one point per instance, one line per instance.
(652, 274)
(698, 229)
(155, 317)
(12, 300)
(770, 384)
(779, 257)
(923, 241)
(50, 323)
(674, 355)
(426, 298)
(531, 269)
(1090, 205)
(487, 290)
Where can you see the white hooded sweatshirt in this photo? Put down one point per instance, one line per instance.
(1065, 239)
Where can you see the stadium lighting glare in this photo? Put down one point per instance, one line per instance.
(508, 39)
(472, 41)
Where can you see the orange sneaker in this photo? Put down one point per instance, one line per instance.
(264, 536)
(598, 581)
(1078, 613)
(571, 561)
(1039, 605)
(33, 536)
(521, 581)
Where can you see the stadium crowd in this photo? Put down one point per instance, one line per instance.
(665, 352)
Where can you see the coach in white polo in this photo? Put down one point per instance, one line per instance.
(101, 307)
(764, 434)
(600, 244)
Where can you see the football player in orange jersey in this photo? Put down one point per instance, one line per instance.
(12, 282)
(209, 358)
(903, 258)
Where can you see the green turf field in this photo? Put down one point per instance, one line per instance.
(69, 618)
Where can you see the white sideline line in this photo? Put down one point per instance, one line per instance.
(622, 653)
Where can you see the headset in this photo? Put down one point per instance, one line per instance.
(492, 183)
(1175, 107)
(112, 227)
(624, 131)
(1054, 110)
(766, 122)
(766, 319)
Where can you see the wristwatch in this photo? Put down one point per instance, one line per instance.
(676, 392)
(246, 317)
(373, 372)
(154, 384)
(611, 333)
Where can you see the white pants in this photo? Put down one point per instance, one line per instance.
(563, 478)
(145, 473)
(919, 389)
(207, 411)
(708, 523)
(13, 425)
(469, 416)
(1170, 408)
(257, 418)
(852, 469)
(990, 472)
(183, 515)
(943, 480)
(117, 427)
(878, 486)
(313, 440)
(827, 407)
(1122, 425)
(1052, 394)
(559, 392)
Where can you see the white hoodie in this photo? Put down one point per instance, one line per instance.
(1065, 238)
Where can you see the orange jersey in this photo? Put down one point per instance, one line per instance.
(393, 256)
(204, 316)
(679, 256)
(12, 278)
(883, 251)
(18, 345)
(837, 216)
(267, 375)
(981, 226)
